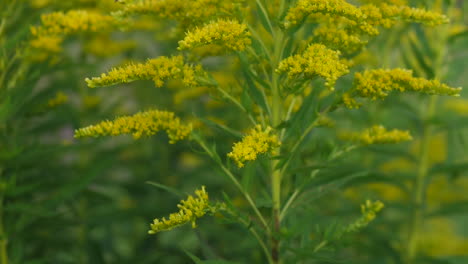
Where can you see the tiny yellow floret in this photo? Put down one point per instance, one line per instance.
(146, 123)
(189, 211)
(228, 34)
(257, 141)
(317, 60)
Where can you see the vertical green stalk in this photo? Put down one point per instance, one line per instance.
(417, 214)
(277, 111)
(3, 237)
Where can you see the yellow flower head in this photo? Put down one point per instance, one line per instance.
(378, 135)
(386, 14)
(158, 70)
(186, 12)
(317, 60)
(72, 22)
(340, 8)
(338, 39)
(377, 84)
(146, 123)
(48, 37)
(228, 34)
(189, 211)
(257, 141)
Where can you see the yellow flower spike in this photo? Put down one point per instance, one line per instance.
(146, 123)
(71, 22)
(350, 102)
(317, 60)
(304, 8)
(228, 34)
(409, 14)
(338, 39)
(257, 141)
(189, 211)
(377, 84)
(377, 134)
(330, 8)
(193, 11)
(157, 70)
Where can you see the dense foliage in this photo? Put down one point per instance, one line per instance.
(243, 131)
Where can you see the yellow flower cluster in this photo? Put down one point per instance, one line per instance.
(377, 84)
(187, 12)
(459, 106)
(146, 123)
(350, 102)
(378, 135)
(257, 141)
(229, 34)
(189, 211)
(317, 60)
(339, 8)
(157, 70)
(338, 39)
(363, 19)
(386, 15)
(105, 46)
(55, 26)
(59, 99)
(369, 211)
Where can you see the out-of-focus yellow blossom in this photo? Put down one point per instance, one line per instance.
(45, 47)
(338, 39)
(59, 99)
(186, 12)
(55, 26)
(189, 211)
(317, 60)
(158, 70)
(90, 101)
(377, 84)
(257, 141)
(387, 15)
(183, 95)
(340, 8)
(228, 34)
(440, 237)
(369, 211)
(146, 123)
(104, 46)
(325, 121)
(442, 190)
(350, 102)
(459, 106)
(377, 135)
(379, 2)
(71, 22)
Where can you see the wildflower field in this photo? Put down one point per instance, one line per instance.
(234, 131)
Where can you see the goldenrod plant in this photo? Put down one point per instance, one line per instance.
(309, 131)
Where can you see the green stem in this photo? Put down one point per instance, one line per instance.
(3, 237)
(416, 218)
(233, 179)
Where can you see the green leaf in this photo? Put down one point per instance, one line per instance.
(264, 19)
(166, 188)
(196, 260)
